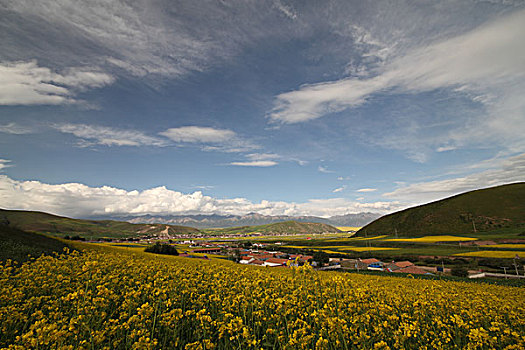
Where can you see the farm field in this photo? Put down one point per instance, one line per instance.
(122, 298)
(431, 239)
(348, 228)
(509, 254)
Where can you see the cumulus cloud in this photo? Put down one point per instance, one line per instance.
(79, 200)
(107, 136)
(511, 170)
(26, 83)
(367, 190)
(16, 129)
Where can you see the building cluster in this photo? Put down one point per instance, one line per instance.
(272, 259)
(373, 264)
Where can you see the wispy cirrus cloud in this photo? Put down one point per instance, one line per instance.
(324, 169)
(16, 129)
(210, 139)
(363, 190)
(256, 163)
(198, 134)
(339, 189)
(26, 83)
(509, 170)
(5, 163)
(485, 65)
(109, 136)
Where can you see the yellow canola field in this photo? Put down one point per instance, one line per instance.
(432, 239)
(116, 299)
(367, 238)
(348, 228)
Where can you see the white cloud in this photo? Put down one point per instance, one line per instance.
(101, 135)
(210, 139)
(287, 10)
(262, 156)
(256, 163)
(511, 170)
(143, 37)
(446, 148)
(13, 128)
(486, 65)
(324, 169)
(339, 189)
(198, 134)
(367, 190)
(25, 83)
(4, 163)
(79, 200)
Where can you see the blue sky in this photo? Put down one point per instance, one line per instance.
(276, 107)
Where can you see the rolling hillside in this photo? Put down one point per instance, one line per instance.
(500, 208)
(18, 245)
(61, 226)
(287, 227)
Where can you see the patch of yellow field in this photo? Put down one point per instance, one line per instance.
(348, 228)
(365, 249)
(510, 246)
(493, 254)
(432, 239)
(369, 238)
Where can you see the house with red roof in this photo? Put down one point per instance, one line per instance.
(275, 262)
(414, 270)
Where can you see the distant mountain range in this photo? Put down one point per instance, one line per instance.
(215, 221)
(499, 209)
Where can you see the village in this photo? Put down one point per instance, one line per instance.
(260, 257)
(256, 255)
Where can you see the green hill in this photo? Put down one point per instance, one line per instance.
(18, 245)
(39, 222)
(494, 209)
(286, 227)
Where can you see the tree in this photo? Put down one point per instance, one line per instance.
(162, 248)
(459, 271)
(321, 257)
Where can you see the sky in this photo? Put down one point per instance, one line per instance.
(117, 108)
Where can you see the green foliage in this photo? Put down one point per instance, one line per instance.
(321, 257)
(496, 209)
(459, 271)
(162, 248)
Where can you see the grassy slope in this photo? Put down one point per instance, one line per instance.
(61, 226)
(17, 245)
(495, 209)
(287, 227)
